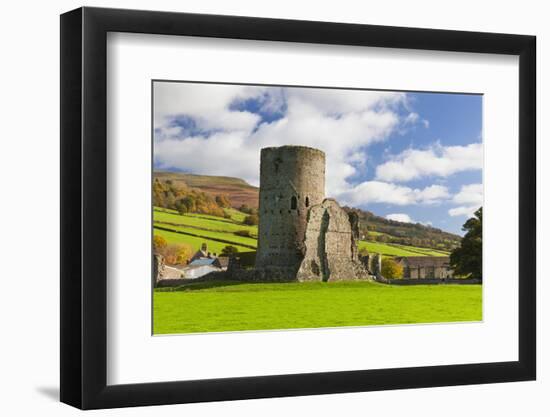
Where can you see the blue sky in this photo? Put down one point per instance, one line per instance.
(406, 156)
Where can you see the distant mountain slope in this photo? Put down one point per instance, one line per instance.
(238, 190)
(380, 229)
(373, 228)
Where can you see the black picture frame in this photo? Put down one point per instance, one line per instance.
(84, 207)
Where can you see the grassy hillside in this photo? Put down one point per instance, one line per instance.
(196, 229)
(203, 221)
(390, 249)
(218, 232)
(231, 306)
(238, 190)
(195, 242)
(380, 229)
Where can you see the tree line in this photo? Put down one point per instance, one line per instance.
(187, 200)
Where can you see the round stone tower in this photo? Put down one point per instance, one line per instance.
(292, 179)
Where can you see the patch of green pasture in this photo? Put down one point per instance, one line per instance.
(421, 251)
(196, 242)
(375, 233)
(385, 249)
(236, 215)
(231, 238)
(231, 306)
(202, 221)
(164, 210)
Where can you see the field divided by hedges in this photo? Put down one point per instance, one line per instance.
(217, 232)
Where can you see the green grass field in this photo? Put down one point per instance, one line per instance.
(420, 251)
(217, 232)
(196, 242)
(210, 235)
(232, 306)
(390, 249)
(204, 221)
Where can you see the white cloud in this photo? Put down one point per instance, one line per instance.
(400, 217)
(226, 140)
(382, 192)
(468, 199)
(470, 194)
(207, 104)
(405, 218)
(341, 123)
(438, 161)
(462, 211)
(413, 119)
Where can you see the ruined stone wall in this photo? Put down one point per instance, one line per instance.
(429, 272)
(330, 246)
(158, 268)
(292, 179)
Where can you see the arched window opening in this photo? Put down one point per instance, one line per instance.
(307, 201)
(293, 202)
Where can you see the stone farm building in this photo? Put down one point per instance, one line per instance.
(200, 267)
(200, 264)
(204, 262)
(425, 267)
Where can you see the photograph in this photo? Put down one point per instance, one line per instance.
(268, 206)
(301, 207)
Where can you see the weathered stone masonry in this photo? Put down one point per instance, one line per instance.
(302, 236)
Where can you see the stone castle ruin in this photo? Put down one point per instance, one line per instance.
(302, 235)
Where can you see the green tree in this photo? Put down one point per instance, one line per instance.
(189, 202)
(244, 233)
(251, 220)
(245, 208)
(181, 207)
(466, 260)
(391, 269)
(229, 250)
(382, 238)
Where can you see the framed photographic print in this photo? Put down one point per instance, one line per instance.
(258, 208)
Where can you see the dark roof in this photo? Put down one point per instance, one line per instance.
(423, 261)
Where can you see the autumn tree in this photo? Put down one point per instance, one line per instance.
(223, 201)
(466, 260)
(391, 269)
(177, 253)
(169, 195)
(251, 220)
(159, 243)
